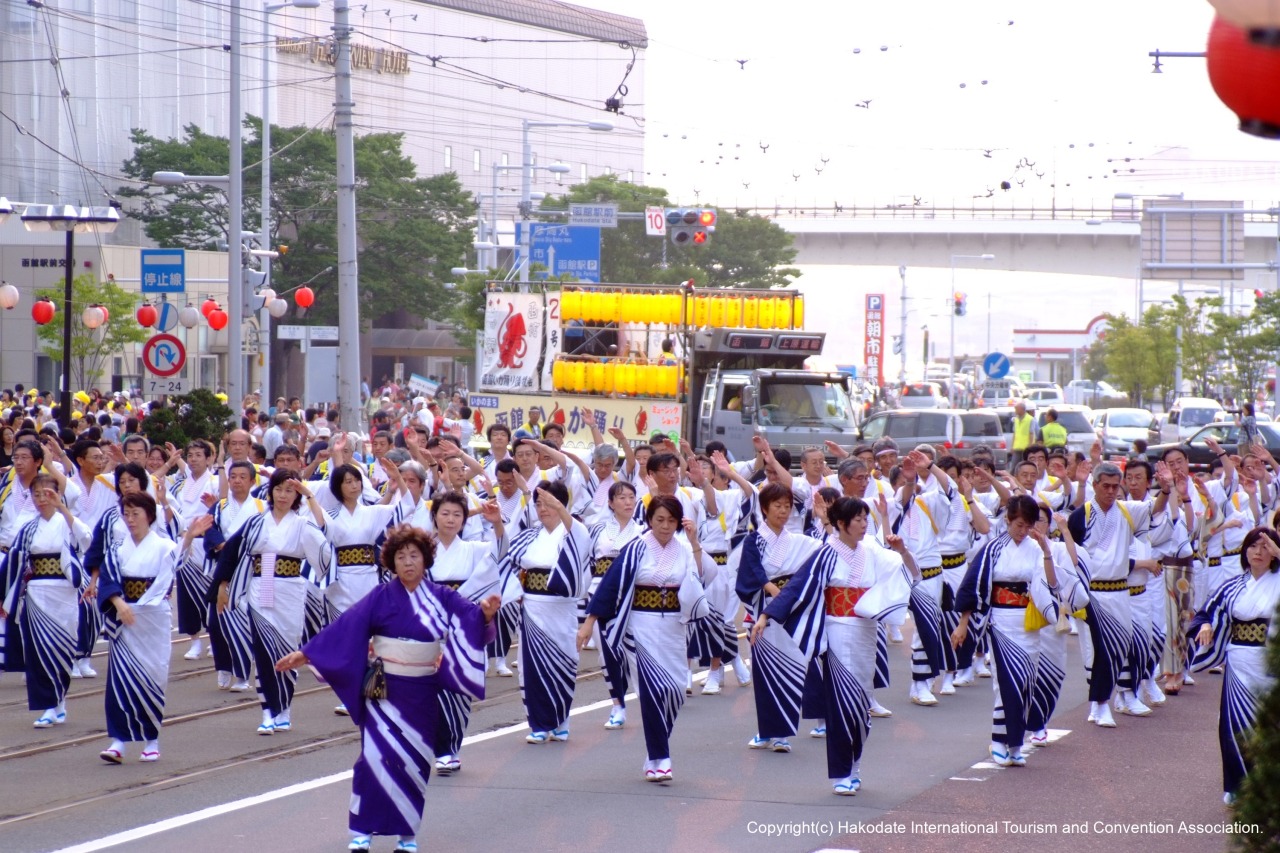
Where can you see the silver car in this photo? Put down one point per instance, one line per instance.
(1119, 428)
(923, 395)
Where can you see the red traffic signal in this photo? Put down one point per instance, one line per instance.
(690, 225)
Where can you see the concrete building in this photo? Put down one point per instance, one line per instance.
(457, 77)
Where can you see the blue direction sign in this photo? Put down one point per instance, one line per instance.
(164, 270)
(996, 365)
(564, 249)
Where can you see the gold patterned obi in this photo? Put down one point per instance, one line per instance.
(135, 588)
(601, 566)
(536, 580)
(46, 566)
(453, 585)
(1109, 586)
(1251, 633)
(931, 572)
(841, 600)
(1138, 590)
(719, 559)
(286, 567)
(951, 561)
(352, 555)
(656, 599)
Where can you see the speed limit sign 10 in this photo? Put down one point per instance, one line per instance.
(655, 222)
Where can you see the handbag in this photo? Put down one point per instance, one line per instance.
(375, 681)
(1033, 620)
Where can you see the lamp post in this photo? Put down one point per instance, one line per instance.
(526, 179)
(69, 220)
(264, 316)
(951, 359)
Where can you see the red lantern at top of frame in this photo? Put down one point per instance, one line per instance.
(1243, 75)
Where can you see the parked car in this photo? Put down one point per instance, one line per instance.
(1083, 392)
(1119, 428)
(982, 428)
(1075, 419)
(1228, 436)
(923, 395)
(1187, 415)
(1045, 397)
(942, 428)
(995, 393)
(1034, 384)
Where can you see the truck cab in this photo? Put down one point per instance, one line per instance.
(754, 383)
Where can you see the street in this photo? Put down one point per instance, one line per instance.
(220, 786)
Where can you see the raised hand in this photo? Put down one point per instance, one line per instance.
(618, 434)
(489, 607)
(208, 499)
(722, 464)
(1164, 477)
(895, 543)
(491, 512)
(1083, 470)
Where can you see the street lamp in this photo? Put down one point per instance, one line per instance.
(526, 178)
(951, 360)
(264, 317)
(69, 220)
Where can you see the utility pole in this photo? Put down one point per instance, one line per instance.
(235, 237)
(348, 272)
(902, 305)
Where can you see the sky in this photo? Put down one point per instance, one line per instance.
(1058, 99)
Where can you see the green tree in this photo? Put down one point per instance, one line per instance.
(746, 251)
(412, 229)
(90, 348)
(199, 414)
(1124, 354)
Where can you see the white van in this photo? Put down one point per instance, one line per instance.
(1188, 415)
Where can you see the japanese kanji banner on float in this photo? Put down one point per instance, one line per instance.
(513, 324)
(555, 345)
(873, 340)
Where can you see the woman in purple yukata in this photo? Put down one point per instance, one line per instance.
(427, 638)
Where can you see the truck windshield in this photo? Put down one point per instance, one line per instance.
(813, 403)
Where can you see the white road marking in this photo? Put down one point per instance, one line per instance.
(131, 835)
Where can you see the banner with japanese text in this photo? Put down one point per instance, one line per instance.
(638, 417)
(555, 342)
(873, 339)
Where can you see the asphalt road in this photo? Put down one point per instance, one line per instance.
(220, 786)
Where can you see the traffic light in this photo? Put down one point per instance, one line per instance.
(690, 225)
(962, 304)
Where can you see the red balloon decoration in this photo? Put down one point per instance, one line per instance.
(42, 311)
(209, 305)
(217, 319)
(1244, 77)
(305, 297)
(147, 316)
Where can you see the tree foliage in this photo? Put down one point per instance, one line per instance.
(1227, 354)
(90, 348)
(746, 251)
(412, 229)
(199, 414)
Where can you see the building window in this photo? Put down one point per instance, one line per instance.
(584, 171)
(631, 176)
(448, 156)
(475, 160)
(129, 11)
(506, 159)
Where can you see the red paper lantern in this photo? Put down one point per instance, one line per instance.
(1245, 77)
(106, 315)
(217, 319)
(209, 305)
(42, 311)
(147, 316)
(305, 297)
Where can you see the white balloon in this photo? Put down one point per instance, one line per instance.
(267, 295)
(8, 296)
(277, 308)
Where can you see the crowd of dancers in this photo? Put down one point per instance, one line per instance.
(404, 570)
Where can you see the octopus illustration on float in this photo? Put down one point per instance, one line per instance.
(512, 345)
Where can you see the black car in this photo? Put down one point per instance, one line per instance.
(1228, 436)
